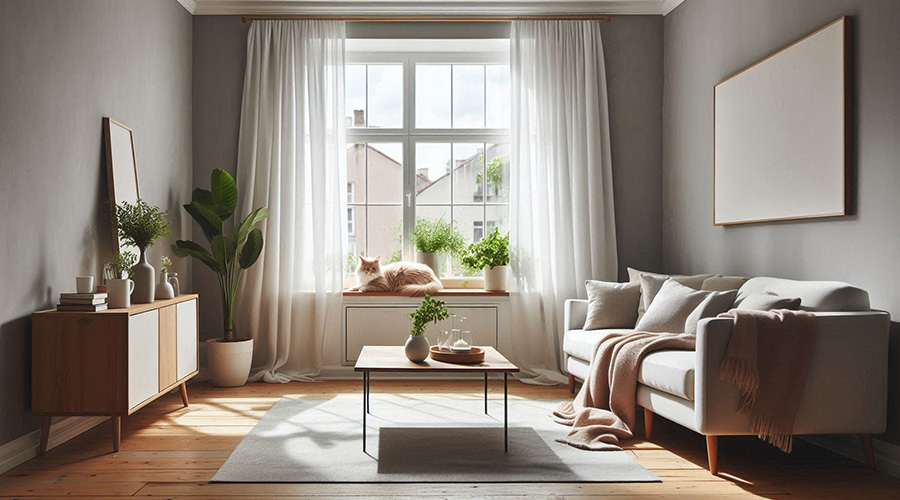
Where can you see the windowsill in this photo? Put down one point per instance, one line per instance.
(447, 292)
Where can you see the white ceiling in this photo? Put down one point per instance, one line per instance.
(412, 8)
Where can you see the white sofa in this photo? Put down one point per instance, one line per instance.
(845, 393)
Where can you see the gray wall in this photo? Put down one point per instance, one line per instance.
(707, 40)
(633, 51)
(64, 66)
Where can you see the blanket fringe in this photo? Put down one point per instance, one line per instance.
(771, 432)
(741, 373)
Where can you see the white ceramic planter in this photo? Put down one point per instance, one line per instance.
(119, 293)
(144, 283)
(431, 260)
(417, 348)
(164, 289)
(496, 279)
(229, 362)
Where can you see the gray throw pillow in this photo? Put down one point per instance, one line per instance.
(670, 309)
(634, 275)
(721, 283)
(611, 305)
(768, 301)
(713, 305)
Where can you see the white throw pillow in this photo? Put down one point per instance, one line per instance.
(670, 308)
(634, 276)
(611, 305)
(768, 301)
(713, 305)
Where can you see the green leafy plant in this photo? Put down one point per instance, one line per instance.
(494, 171)
(229, 254)
(436, 236)
(164, 264)
(139, 224)
(491, 251)
(431, 311)
(122, 263)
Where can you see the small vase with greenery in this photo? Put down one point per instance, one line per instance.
(229, 255)
(491, 255)
(434, 237)
(118, 288)
(431, 311)
(140, 224)
(121, 265)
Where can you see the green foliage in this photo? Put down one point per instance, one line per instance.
(139, 224)
(229, 254)
(164, 264)
(436, 236)
(122, 263)
(491, 251)
(431, 311)
(494, 171)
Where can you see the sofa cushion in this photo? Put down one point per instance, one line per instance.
(713, 305)
(634, 276)
(611, 305)
(768, 301)
(816, 296)
(719, 283)
(581, 343)
(671, 307)
(669, 371)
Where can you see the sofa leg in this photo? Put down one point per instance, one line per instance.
(648, 424)
(712, 451)
(868, 449)
(571, 384)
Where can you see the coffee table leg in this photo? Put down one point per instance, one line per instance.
(365, 404)
(505, 415)
(368, 392)
(485, 393)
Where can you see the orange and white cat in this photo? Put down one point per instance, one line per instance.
(404, 278)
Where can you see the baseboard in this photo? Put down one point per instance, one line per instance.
(19, 451)
(887, 456)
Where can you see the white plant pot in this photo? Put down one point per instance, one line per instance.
(229, 362)
(417, 348)
(496, 279)
(431, 260)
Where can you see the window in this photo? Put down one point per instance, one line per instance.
(428, 137)
(351, 227)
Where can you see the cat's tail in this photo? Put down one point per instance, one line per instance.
(420, 290)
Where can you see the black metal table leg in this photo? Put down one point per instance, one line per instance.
(368, 392)
(365, 404)
(485, 393)
(505, 415)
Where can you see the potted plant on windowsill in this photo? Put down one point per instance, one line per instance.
(432, 238)
(491, 255)
(229, 255)
(431, 311)
(140, 224)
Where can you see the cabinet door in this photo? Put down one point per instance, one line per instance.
(186, 337)
(143, 357)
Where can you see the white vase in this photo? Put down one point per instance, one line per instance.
(229, 362)
(417, 348)
(431, 260)
(144, 281)
(119, 293)
(164, 289)
(496, 278)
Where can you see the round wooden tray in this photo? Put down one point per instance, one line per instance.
(476, 355)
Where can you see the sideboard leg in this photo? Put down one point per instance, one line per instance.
(116, 431)
(45, 434)
(184, 399)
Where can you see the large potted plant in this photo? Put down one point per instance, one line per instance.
(141, 224)
(491, 255)
(431, 311)
(229, 255)
(432, 238)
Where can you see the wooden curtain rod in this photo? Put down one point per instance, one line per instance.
(432, 19)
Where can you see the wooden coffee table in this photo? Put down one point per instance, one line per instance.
(393, 359)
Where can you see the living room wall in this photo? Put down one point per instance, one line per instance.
(633, 51)
(66, 65)
(708, 40)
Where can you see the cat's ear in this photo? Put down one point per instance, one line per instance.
(378, 258)
(361, 259)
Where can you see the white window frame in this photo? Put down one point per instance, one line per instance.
(408, 135)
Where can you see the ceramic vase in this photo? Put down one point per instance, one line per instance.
(144, 281)
(164, 289)
(496, 278)
(417, 348)
(229, 362)
(119, 293)
(431, 260)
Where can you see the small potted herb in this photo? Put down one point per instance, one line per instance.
(141, 224)
(431, 311)
(434, 237)
(119, 289)
(491, 255)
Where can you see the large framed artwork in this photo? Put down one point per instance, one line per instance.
(781, 133)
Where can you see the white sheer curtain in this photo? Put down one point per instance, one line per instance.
(292, 158)
(562, 229)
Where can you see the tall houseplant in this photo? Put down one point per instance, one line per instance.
(140, 224)
(433, 237)
(229, 255)
(491, 255)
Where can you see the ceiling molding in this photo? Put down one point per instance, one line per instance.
(448, 8)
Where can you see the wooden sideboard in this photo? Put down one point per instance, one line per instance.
(111, 362)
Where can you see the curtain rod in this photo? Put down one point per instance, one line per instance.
(433, 19)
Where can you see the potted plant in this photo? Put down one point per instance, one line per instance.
(229, 255)
(141, 224)
(433, 237)
(491, 255)
(119, 289)
(431, 311)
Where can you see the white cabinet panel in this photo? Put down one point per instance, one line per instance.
(390, 325)
(143, 357)
(186, 338)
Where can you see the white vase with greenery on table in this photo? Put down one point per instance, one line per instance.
(140, 224)
(431, 311)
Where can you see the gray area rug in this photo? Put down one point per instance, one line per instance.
(416, 440)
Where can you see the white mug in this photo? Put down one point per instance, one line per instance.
(84, 284)
(119, 293)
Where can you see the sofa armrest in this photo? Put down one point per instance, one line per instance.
(846, 387)
(575, 314)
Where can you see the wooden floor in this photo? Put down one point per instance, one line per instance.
(172, 452)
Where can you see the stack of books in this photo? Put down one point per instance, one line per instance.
(91, 302)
